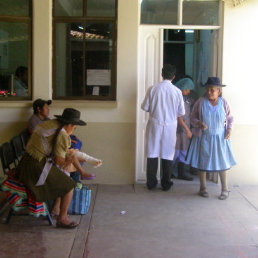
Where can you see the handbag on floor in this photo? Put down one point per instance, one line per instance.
(81, 201)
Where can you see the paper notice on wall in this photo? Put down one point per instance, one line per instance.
(95, 91)
(98, 77)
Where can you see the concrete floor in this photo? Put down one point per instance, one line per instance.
(156, 224)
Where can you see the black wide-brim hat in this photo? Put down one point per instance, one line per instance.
(70, 116)
(213, 81)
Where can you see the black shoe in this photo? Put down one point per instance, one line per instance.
(151, 188)
(185, 177)
(181, 172)
(167, 187)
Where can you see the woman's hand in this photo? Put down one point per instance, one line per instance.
(203, 126)
(228, 134)
(61, 162)
(183, 124)
(72, 151)
(69, 159)
(64, 163)
(189, 134)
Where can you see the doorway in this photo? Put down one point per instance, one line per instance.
(193, 52)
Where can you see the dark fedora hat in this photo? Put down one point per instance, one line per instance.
(70, 116)
(213, 81)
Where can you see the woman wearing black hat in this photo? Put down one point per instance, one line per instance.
(210, 148)
(43, 166)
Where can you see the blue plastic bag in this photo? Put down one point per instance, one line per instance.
(81, 201)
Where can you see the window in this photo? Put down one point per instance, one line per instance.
(84, 63)
(15, 49)
(191, 12)
(159, 11)
(201, 12)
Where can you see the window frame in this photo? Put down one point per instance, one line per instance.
(180, 17)
(84, 19)
(28, 20)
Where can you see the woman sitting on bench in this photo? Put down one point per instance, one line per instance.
(43, 166)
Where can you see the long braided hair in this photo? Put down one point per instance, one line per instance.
(54, 141)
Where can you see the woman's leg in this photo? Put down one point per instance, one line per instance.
(56, 206)
(224, 185)
(203, 191)
(64, 206)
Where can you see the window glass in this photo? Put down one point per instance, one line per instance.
(69, 59)
(14, 8)
(179, 49)
(201, 12)
(13, 59)
(101, 8)
(98, 58)
(68, 8)
(84, 57)
(159, 11)
(179, 35)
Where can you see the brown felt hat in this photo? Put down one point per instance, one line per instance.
(70, 116)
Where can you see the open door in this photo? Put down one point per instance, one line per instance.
(200, 55)
(150, 62)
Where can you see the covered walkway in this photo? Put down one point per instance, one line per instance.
(156, 224)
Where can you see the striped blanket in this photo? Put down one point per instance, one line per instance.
(20, 198)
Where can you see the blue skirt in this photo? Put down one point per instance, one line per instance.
(210, 153)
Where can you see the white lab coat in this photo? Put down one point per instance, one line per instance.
(165, 104)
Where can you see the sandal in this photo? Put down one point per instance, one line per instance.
(67, 226)
(54, 214)
(92, 176)
(224, 195)
(204, 193)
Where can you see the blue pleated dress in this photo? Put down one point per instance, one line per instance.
(211, 152)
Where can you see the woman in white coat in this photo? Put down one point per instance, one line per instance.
(164, 103)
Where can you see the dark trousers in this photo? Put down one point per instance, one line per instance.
(152, 167)
(75, 176)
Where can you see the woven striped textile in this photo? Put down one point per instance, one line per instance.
(20, 198)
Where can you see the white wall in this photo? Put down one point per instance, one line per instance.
(240, 67)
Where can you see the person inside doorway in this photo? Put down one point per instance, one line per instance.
(186, 85)
(165, 105)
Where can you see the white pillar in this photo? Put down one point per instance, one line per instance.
(42, 49)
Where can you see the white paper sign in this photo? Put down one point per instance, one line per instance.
(98, 77)
(95, 91)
